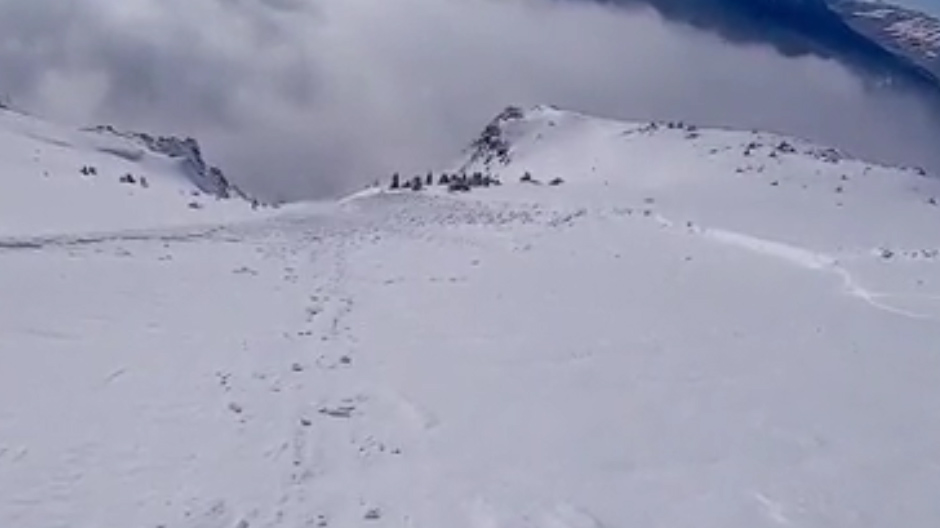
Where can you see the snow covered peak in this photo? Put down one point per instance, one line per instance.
(495, 143)
(545, 138)
(205, 177)
(777, 186)
(58, 180)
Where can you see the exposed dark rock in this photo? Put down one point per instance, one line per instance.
(187, 151)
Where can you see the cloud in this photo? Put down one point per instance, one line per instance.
(304, 98)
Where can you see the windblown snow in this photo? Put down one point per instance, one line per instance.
(695, 328)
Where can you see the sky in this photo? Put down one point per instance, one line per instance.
(928, 6)
(300, 99)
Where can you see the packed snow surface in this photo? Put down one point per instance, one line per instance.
(697, 328)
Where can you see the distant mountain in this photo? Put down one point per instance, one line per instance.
(907, 32)
(799, 28)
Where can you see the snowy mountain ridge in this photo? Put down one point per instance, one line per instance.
(516, 130)
(714, 175)
(207, 178)
(59, 180)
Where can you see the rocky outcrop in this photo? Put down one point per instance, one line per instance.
(492, 145)
(207, 178)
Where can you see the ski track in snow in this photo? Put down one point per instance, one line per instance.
(330, 450)
(67, 241)
(811, 260)
(352, 447)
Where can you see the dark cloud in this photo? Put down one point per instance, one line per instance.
(297, 98)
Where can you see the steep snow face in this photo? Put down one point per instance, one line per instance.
(58, 180)
(696, 328)
(207, 178)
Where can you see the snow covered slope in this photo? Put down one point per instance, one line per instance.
(774, 186)
(697, 328)
(56, 180)
(907, 32)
